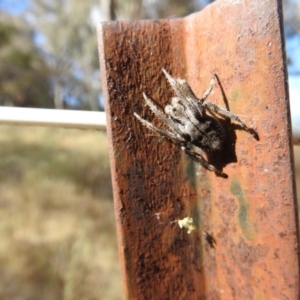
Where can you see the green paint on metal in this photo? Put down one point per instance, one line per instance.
(243, 209)
(190, 171)
(235, 95)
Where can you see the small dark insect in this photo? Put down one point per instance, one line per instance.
(192, 121)
(210, 239)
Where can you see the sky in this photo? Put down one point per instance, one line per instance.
(14, 7)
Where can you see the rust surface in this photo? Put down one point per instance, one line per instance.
(245, 243)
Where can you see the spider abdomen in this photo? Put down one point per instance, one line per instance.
(209, 134)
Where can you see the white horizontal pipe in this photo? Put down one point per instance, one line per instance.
(76, 119)
(53, 117)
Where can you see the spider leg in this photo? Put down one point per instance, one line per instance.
(226, 113)
(175, 85)
(199, 159)
(194, 105)
(173, 137)
(209, 89)
(155, 110)
(191, 101)
(186, 95)
(189, 92)
(168, 121)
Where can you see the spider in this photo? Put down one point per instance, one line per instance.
(192, 121)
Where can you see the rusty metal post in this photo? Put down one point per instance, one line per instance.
(245, 244)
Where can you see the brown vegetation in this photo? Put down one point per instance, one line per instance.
(58, 237)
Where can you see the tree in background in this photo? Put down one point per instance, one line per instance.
(68, 37)
(155, 9)
(24, 74)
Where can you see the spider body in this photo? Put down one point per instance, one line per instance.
(209, 135)
(192, 121)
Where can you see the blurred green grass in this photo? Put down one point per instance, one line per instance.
(57, 227)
